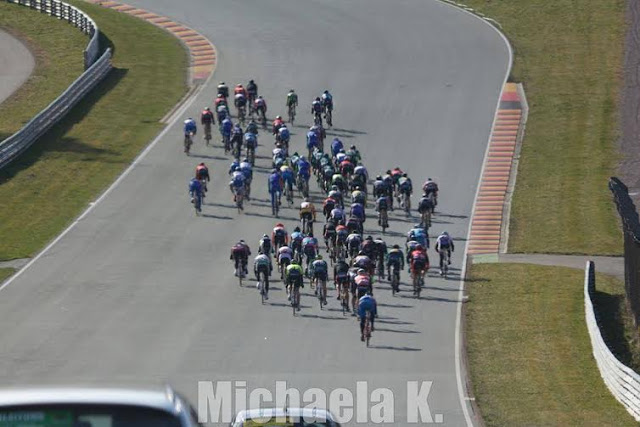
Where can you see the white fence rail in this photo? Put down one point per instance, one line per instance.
(622, 381)
(97, 69)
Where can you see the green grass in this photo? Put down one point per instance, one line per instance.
(5, 272)
(616, 321)
(529, 350)
(57, 48)
(568, 54)
(78, 158)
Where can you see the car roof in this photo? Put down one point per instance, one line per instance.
(162, 399)
(280, 412)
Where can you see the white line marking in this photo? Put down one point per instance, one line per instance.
(461, 393)
(177, 115)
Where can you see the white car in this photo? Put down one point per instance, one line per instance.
(288, 417)
(94, 407)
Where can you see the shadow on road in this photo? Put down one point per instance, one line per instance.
(388, 347)
(398, 331)
(216, 216)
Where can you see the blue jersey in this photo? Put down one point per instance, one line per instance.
(275, 183)
(237, 180)
(357, 210)
(195, 186)
(303, 167)
(251, 140)
(312, 139)
(284, 134)
(297, 236)
(287, 176)
(247, 171)
(336, 146)
(419, 235)
(227, 125)
(189, 127)
(367, 303)
(233, 167)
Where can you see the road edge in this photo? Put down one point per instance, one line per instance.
(465, 390)
(176, 111)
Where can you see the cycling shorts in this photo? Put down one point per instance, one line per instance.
(322, 275)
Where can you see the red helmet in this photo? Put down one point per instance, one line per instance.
(279, 225)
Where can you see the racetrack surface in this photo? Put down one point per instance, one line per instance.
(16, 64)
(140, 290)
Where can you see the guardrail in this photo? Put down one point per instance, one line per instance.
(74, 16)
(14, 145)
(621, 380)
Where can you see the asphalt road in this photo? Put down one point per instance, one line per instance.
(16, 64)
(140, 290)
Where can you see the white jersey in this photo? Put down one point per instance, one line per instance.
(285, 252)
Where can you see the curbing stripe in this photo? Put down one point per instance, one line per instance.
(202, 53)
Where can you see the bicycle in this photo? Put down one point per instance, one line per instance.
(405, 202)
(321, 291)
(317, 119)
(344, 297)
(227, 143)
(197, 203)
(331, 249)
(275, 208)
(418, 281)
(307, 225)
(207, 133)
(263, 291)
(188, 141)
(251, 155)
(383, 220)
(239, 271)
(251, 98)
(395, 280)
(329, 117)
(303, 187)
(239, 198)
(425, 220)
(288, 194)
(284, 263)
(367, 328)
(292, 113)
(242, 114)
(295, 298)
(444, 264)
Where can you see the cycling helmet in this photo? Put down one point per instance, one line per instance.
(259, 96)
(317, 98)
(201, 164)
(360, 253)
(207, 109)
(265, 236)
(297, 229)
(251, 81)
(279, 225)
(245, 160)
(278, 117)
(238, 85)
(353, 147)
(236, 168)
(417, 226)
(334, 187)
(306, 199)
(378, 178)
(326, 91)
(310, 234)
(428, 179)
(361, 271)
(274, 171)
(318, 256)
(404, 175)
(241, 241)
(388, 172)
(369, 238)
(292, 90)
(221, 84)
(396, 246)
(445, 233)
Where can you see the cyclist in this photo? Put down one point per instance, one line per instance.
(226, 128)
(237, 184)
(316, 109)
(337, 215)
(354, 155)
(292, 99)
(250, 140)
(277, 123)
(336, 146)
(236, 137)
(221, 101)
(260, 106)
(382, 205)
(221, 111)
(327, 101)
(336, 195)
(262, 264)
(419, 234)
(395, 260)
(265, 246)
(320, 273)
(308, 212)
(444, 243)
(365, 262)
(202, 174)
(419, 263)
(369, 247)
(223, 90)
(412, 245)
(239, 89)
(313, 141)
(247, 171)
(366, 304)
(358, 196)
(425, 205)
(329, 234)
(240, 100)
(196, 191)
(327, 206)
(240, 253)
(380, 254)
(379, 187)
(304, 171)
(252, 90)
(354, 243)
(207, 119)
(279, 236)
(396, 174)
(285, 255)
(310, 249)
(287, 178)
(190, 127)
(362, 286)
(357, 211)
(284, 135)
(341, 277)
(346, 168)
(234, 165)
(275, 188)
(252, 127)
(430, 187)
(294, 279)
(296, 241)
(405, 186)
(354, 225)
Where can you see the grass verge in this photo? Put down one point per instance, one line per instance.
(57, 48)
(6, 272)
(529, 350)
(569, 56)
(616, 321)
(54, 181)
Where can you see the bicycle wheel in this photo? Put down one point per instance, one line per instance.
(263, 292)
